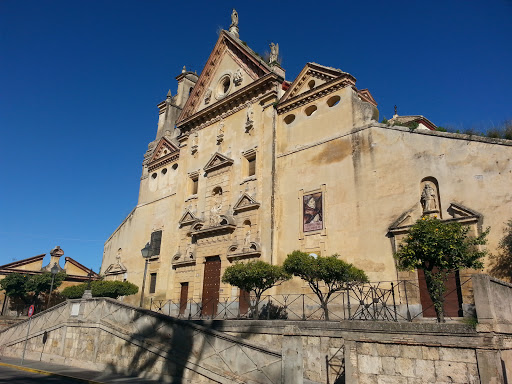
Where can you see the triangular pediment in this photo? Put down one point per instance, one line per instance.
(245, 202)
(217, 161)
(231, 66)
(164, 153)
(459, 211)
(115, 269)
(312, 76)
(187, 218)
(163, 149)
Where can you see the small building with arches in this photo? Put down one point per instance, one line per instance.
(247, 165)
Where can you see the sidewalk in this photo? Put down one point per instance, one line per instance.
(76, 374)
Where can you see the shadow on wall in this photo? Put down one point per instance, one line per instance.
(180, 345)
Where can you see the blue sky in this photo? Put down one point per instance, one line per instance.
(80, 80)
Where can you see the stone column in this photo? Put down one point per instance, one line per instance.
(292, 360)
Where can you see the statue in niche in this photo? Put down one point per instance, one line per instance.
(189, 253)
(428, 198)
(234, 18)
(215, 218)
(274, 53)
(247, 239)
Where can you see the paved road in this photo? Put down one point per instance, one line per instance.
(15, 376)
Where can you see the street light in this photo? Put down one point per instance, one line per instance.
(146, 253)
(54, 271)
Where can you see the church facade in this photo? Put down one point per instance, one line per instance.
(249, 166)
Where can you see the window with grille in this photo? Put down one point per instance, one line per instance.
(156, 240)
(194, 185)
(152, 283)
(251, 162)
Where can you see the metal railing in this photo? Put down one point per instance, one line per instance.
(385, 301)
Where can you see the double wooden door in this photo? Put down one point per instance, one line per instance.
(211, 286)
(452, 296)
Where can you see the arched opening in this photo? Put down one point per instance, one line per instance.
(332, 101)
(310, 110)
(289, 118)
(311, 84)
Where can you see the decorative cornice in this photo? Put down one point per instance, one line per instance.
(231, 104)
(169, 158)
(314, 94)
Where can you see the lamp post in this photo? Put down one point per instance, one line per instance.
(146, 253)
(54, 271)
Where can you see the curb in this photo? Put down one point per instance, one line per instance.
(48, 373)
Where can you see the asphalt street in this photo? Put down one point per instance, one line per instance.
(16, 376)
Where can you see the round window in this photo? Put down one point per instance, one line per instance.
(223, 86)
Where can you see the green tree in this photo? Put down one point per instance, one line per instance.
(330, 271)
(28, 288)
(101, 288)
(440, 248)
(501, 264)
(256, 277)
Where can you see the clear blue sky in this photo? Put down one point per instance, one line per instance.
(80, 80)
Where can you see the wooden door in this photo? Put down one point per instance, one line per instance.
(211, 286)
(183, 298)
(244, 302)
(452, 296)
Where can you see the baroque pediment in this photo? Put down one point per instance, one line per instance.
(459, 211)
(164, 153)
(231, 66)
(187, 218)
(245, 202)
(312, 76)
(116, 269)
(217, 161)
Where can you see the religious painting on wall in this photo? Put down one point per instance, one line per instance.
(312, 212)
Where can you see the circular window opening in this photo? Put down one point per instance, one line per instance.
(289, 119)
(223, 86)
(310, 110)
(174, 167)
(333, 101)
(311, 84)
(217, 191)
(164, 171)
(154, 175)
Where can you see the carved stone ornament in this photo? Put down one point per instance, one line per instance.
(274, 53)
(238, 77)
(193, 143)
(249, 119)
(208, 96)
(220, 132)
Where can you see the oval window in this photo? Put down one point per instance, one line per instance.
(154, 175)
(289, 119)
(310, 110)
(164, 171)
(311, 84)
(174, 167)
(333, 101)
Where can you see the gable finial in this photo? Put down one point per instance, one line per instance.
(396, 109)
(233, 28)
(184, 69)
(169, 94)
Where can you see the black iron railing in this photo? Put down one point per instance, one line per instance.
(387, 301)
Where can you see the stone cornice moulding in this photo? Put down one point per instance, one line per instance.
(231, 103)
(314, 94)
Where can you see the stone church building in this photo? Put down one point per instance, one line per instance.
(247, 165)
